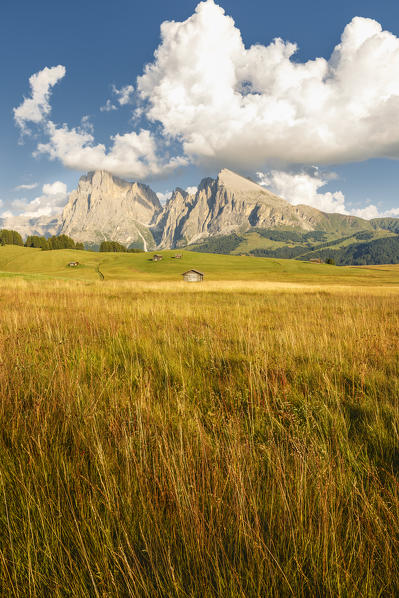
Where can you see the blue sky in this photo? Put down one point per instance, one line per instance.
(336, 164)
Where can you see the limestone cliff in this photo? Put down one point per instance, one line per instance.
(106, 207)
(231, 203)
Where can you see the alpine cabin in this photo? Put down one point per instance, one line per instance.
(193, 276)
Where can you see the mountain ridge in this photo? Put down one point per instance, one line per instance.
(106, 207)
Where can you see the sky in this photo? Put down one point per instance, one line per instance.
(302, 97)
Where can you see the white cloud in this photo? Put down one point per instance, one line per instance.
(131, 155)
(86, 125)
(371, 211)
(124, 94)
(36, 108)
(53, 198)
(108, 106)
(246, 106)
(27, 187)
(241, 107)
(163, 197)
(304, 188)
(191, 190)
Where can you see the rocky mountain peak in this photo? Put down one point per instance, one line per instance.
(106, 207)
(236, 183)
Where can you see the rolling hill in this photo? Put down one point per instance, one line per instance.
(30, 263)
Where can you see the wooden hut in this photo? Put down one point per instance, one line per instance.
(193, 276)
(73, 264)
(156, 257)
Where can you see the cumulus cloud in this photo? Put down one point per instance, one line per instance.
(305, 187)
(132, 154)
(240, 107)
(37, 107)
(50, 202)
(124, 94)
(246, 106)
(25, 187)
(371, 211)
(108, 106)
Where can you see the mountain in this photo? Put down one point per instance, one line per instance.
(234, 204)
(44, 226)
(229, 214)
(105, 207)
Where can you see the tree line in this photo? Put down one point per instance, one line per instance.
(114, 246)
(12, 237)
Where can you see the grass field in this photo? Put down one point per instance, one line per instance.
(234, 438)
(34, 263)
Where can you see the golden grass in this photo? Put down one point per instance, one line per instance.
(226, 439)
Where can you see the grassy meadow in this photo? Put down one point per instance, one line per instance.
(32, 263)
(236, 438)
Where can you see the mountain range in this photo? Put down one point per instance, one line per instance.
(230, 208)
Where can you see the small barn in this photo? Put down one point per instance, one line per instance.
(193, 276)
(73, 264)
(156, 257)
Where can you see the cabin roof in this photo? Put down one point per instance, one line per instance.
(192, 270)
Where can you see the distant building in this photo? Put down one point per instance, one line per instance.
(315, 260)
(156, 257)
(178, 256)
(193, 276)
(73, 264)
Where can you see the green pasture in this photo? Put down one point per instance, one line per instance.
(29, 262)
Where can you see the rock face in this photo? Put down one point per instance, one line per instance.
(104, 207)
(231, 203)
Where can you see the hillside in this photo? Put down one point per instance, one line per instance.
(376, 246)
(93, 266)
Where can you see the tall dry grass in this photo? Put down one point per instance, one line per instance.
(158, 442)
